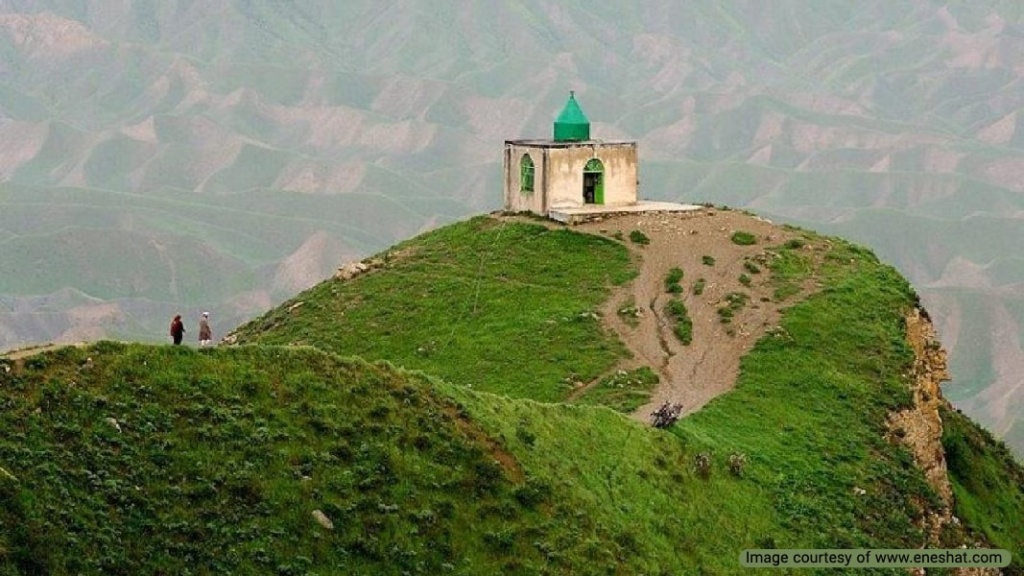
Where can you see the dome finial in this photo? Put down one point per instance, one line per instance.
(572, 125)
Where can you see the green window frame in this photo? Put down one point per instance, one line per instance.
(526, 174)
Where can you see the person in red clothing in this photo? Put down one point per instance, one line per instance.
(177, 329)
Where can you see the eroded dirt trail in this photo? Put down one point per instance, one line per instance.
(694, 374)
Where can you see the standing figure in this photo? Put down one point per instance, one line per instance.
(177, 329)
(205, 334)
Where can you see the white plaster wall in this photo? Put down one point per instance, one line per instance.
(558, 175)
(566, 174)
(515, 199)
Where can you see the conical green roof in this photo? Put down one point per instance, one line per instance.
(572, 124)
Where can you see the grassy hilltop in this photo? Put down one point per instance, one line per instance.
(289, 455)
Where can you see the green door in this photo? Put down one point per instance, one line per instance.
(593, 182)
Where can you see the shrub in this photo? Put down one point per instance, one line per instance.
(794, 244)
(737, 462)
(743, 238)
(702, 463)
(751, 267)
(744, 279)
(639, 237)
(707, 260)
(684, 325)
(672, 281)
(734, 302)
(698, 286)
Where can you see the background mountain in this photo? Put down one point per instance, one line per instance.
(165, 157)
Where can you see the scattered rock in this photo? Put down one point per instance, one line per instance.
(294, 306)
(859, 491)
(114, 423)
(323, 520)
(351, 270)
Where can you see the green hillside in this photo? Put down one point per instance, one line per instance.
(497, 306)
(838, 363)
(255, 459)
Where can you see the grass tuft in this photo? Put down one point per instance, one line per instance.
(734, 302)
(638, 237)
(741, 238)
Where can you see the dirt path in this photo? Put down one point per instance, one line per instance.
(692, 375)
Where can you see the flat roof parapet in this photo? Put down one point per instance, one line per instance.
(544, 143)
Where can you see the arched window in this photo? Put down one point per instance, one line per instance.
(526, 174)
(593, 182)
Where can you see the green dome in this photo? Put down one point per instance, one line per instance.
(572, 124)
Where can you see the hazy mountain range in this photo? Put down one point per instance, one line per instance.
(169, 157)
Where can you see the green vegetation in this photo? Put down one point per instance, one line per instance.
(499, 306)
(734, 302)
(639, 237)
(623, 391)
(147, 460)
(630, 312)
(707, 260)
(134, 459)
(743, 238)
(683, 328)
(672, 286)
(809, 413)
(988, 484)
(751, 267)
(698, 286)
(744, 279)
(788, 271)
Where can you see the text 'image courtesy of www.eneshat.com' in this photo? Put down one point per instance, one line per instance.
(878, 558)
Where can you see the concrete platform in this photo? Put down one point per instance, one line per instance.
(593, 211)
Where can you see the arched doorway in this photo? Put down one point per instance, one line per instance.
(593, 182)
